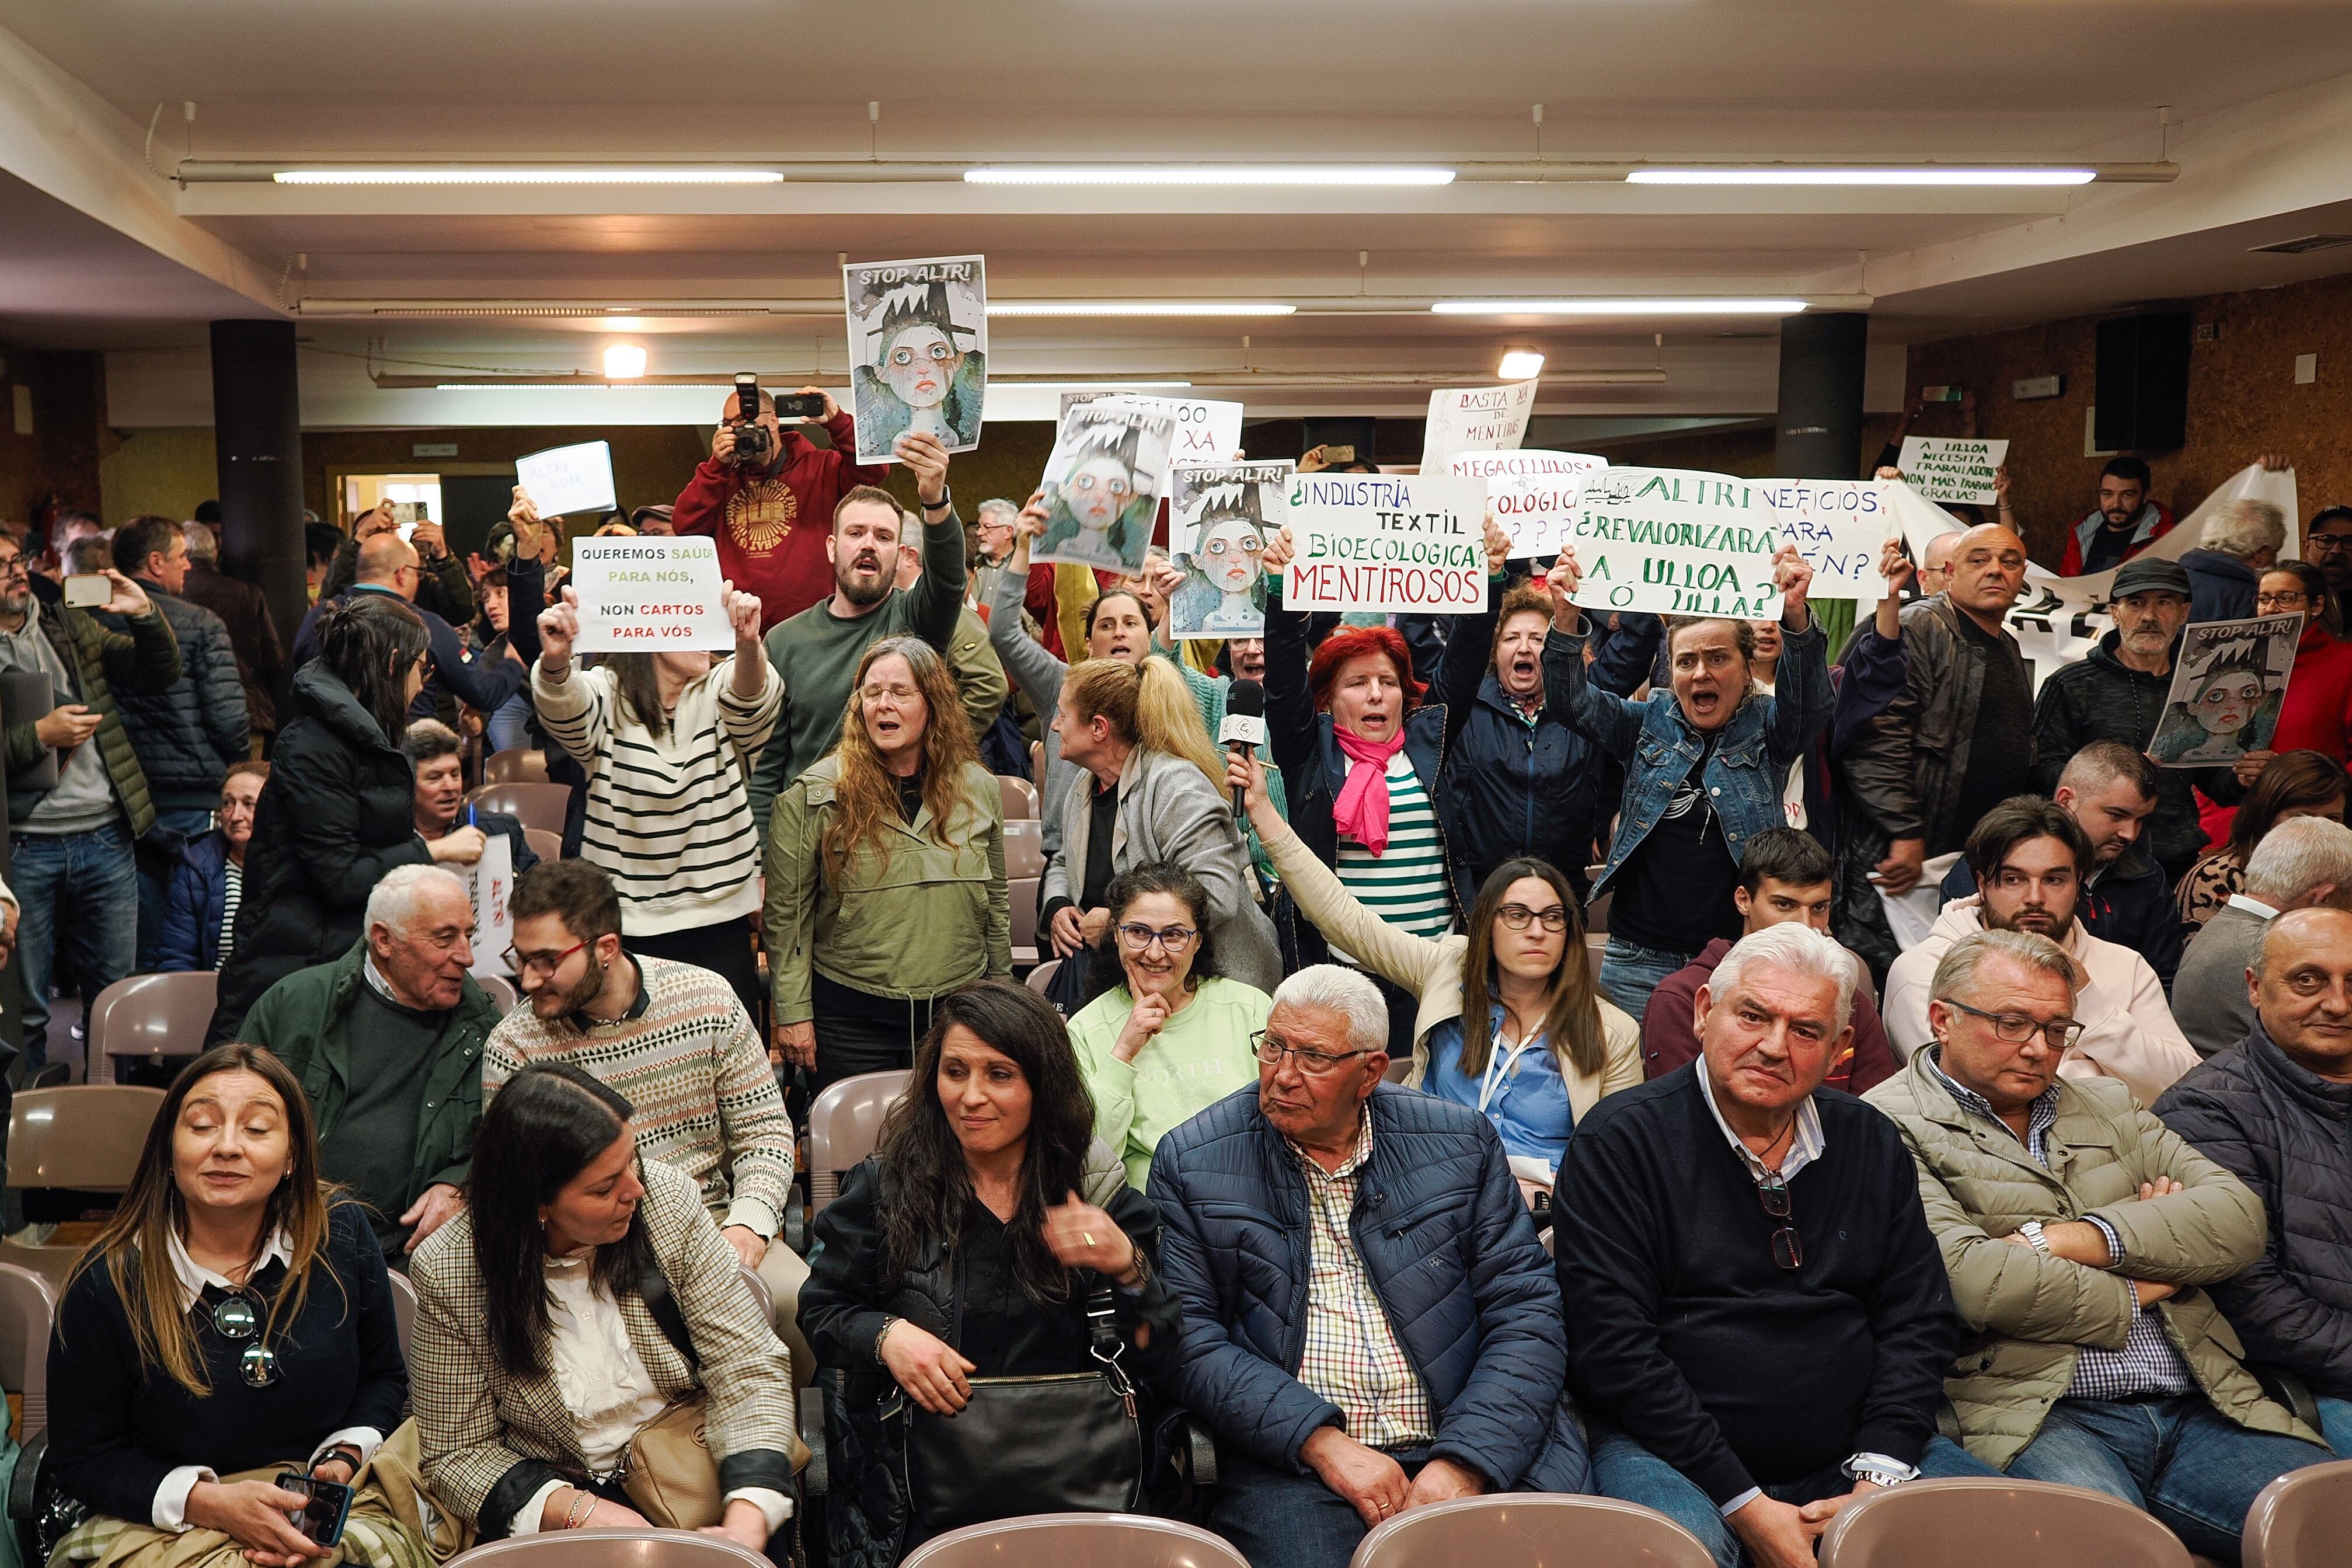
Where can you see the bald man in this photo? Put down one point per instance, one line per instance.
(1935, 563)
(2276, 1109)
(388, 565)
(1956, 742)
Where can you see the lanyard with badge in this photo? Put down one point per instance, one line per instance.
(1500, 1068)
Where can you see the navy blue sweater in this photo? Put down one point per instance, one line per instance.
(1685, 1333)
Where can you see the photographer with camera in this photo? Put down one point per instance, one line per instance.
(767, 495)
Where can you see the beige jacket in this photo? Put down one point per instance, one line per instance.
(1979, 1184)
(2128, 1031)
(1432, 971)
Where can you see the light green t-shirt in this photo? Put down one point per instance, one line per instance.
(1201, 1057)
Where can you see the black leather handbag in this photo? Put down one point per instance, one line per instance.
(1061, 1443)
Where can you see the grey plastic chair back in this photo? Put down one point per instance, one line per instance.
(28, 1305)
(158, 1016)
(1975, 1522)
(1078, 1541)
(2302, 1520)
(1511, 1530)
(403, 1308)
(845, 1125)
(611, 1549)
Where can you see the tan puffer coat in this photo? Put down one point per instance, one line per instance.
(1978, 1184)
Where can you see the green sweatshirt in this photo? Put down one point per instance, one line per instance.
(1201, 1057)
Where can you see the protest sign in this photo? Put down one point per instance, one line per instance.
(1677, 542)
(1204, 431)
(1534, 495)
(1103, 483)
(1220, 517)
(1838, 526)
(568, 478)
(489, 883)
(1475, 419)
(2227, 687)
(1942, 469)
(1402, 545)
(917, 351)
(652, 594)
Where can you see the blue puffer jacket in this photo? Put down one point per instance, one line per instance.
(1453, 1257)
(1752, 754)
(193, 902)
(187, 734)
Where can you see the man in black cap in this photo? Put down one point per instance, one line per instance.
(2116, 693)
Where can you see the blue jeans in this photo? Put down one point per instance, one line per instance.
(508, 727)
(1280, 1519)
(79, 893)
(1629, 973)
(1623, 1469)
(156, 883)
(2178, 1459)
(2335, 1424)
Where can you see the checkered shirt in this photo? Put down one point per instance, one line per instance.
(1351, 1356)
(2148, 1364)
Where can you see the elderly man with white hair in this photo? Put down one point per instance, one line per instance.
(2240, 540)
(387, 1041)
(2306, 862)
(1761, 1320)
(1369, 1322)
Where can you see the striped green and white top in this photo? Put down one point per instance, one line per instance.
(1405, 886)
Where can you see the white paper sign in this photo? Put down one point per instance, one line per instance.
(1534, 495)
(1205, 431)
(1404, 544)
(1677, 542)
(1475, 419)
(1104, 482)
(649, 594)
(2228, 682)
(1838, 526)
(569, 478)
(489, 882)
(1945, 469)
(917, 351)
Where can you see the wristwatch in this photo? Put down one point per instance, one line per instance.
(1877, 1469)
(2032, 1231)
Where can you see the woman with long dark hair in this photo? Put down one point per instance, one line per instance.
(967, 1247)
(667, 740)
(340, 808)
(885, 872)
(581, 1295)
(231, 1322)
(2293, 784)
(1168, 1034)
(1507, 1019)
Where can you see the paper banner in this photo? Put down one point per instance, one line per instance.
(2227, 687)
(1838, 526)
(917, 351)
(1534, 495)
(565, 479)
(489, 882)
(1103, 484)
(1475, 419)
(651, 594)
(1402, 544)
(1220, 517)
(1677, 542)
(1945, 469)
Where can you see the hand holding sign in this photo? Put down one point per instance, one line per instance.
(658, 593)
(742, 613)
(1897, 568)
(1562, 585)
(1278, 552)
(1498, 547)
(925, 457)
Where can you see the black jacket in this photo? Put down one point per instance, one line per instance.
(2221, 587)
(339, 811)
(482, 682)
(2286, 1133)
(2128, 903)
(260, 657)
(187, 734)
(2103, 698)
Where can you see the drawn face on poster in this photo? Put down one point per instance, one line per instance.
(1223, 591)
(2227, 693)
(919, 348)
(1099, 489)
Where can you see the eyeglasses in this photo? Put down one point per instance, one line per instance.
(2327, 543)
(1787, 1247)
(12, 564)
(2017, 1028)
(2280, 601)
(1141, 938)
(236, 1317)
(1270, 1049)
(538, 962)
(1518, 916)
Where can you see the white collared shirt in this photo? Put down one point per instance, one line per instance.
(2253, 906)
(170, 1507)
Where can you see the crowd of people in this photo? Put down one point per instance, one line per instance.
(1517, 1073)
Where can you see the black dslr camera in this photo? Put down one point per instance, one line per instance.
(754, 446)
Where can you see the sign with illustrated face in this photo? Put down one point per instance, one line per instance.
(1220, 517)
(1102, 485)
(917, 351)
(2228, 685)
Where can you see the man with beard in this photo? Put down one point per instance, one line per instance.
(817, 651)
(2029, 858)
(674, 1042)
(2124, 523)
(2328, 546)
(2117, 691)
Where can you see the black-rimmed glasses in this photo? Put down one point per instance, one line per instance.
(2017, 1028)
(1519, 917)
(1787, 1247)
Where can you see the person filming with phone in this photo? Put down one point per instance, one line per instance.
(228, 1338)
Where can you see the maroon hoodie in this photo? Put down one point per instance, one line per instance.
(1669, 1038)
(771, 527)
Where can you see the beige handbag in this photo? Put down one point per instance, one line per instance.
(671, 1477)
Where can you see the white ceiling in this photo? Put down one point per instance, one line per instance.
(97, 250)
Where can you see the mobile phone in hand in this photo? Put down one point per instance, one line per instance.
(89, 590)
(330, 1504)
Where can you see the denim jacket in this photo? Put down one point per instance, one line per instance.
(1657, 745)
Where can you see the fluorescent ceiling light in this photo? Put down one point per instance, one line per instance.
(1618, 307)
(574, 386)
(1204, 175)
(1088, 386)
(624, 361)
(529, 176)
(1795, 175)
(1520, 364)
(1136, 308)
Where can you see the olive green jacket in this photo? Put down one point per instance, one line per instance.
(143, 657)
(917, 918)
(2034, 1313)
